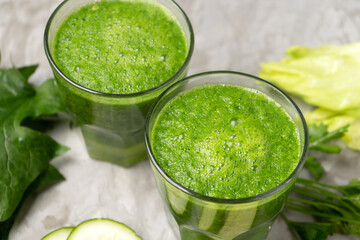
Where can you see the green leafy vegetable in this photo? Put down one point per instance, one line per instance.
(27, 71)
(24, 152)
(310, 230)
(47, 177)
(337, 120)
(319, 136)
(314, 167)
(337, 208)
(327, 77)
(317, 74)
(352, 188)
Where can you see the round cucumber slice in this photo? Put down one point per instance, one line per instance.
(102, 229)
(59, 234)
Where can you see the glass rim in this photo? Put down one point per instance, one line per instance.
(89, 90)
(260, 196)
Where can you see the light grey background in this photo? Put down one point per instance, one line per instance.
(230, 35)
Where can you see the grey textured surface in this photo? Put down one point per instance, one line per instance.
(230, 35)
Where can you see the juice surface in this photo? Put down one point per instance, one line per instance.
(225, 141)
(120, 46)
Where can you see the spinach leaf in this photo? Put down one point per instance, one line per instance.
(24, 153)
(27, 71)
(47, 177)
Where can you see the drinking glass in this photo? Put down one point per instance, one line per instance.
(195, 216)
(112, 125)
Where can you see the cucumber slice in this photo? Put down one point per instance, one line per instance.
(59, 234)
(102, 229)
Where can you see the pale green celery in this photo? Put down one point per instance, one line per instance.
(327, 77)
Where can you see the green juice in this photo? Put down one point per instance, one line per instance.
(227, 149)
(226, 141)
(120, 47)
(111, 59)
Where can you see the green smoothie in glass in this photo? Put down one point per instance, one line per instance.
(111, 59)
(225, 154)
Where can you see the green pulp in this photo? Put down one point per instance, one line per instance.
(120, 47)
(226, 141)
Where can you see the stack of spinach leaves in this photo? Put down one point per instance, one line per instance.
(25, 153)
